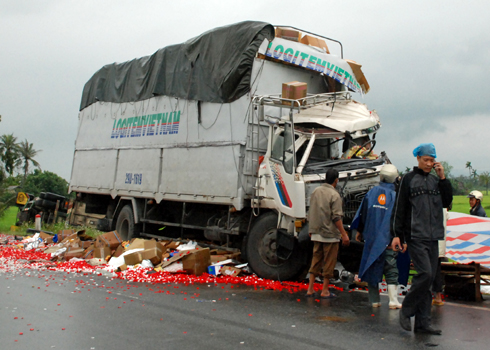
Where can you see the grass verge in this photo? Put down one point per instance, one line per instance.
(10, 218)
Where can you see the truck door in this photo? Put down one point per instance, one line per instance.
(287, 193)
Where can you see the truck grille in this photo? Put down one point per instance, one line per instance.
(352, 201)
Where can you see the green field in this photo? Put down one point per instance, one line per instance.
(9, 219)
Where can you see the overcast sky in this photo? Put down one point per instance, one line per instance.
(427, 63)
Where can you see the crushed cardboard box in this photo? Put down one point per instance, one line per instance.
(133, 258)
(288, 34)
(73, 253)
(195, 261)
(102, 252)
(314, 41)
(230, 271)
(108, 239)
(109, 248)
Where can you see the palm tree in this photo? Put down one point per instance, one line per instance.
(470, 168)
(27, 154)
(9, 152)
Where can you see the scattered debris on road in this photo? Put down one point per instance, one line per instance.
(137, 260)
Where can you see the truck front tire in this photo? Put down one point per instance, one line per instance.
(261, 247)
(125, 225)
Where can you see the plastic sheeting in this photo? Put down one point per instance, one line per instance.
(213, 67)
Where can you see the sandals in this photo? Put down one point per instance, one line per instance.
(331, 296)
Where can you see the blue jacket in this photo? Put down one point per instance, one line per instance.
(373, 220)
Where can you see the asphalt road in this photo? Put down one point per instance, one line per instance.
(56, 310)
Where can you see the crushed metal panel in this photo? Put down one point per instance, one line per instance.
(312, 59)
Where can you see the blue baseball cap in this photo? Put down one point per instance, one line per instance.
(425, 149)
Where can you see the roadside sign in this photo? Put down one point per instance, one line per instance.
(22, 198)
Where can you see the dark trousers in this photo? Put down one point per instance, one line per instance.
(418, 301)
(438, 284)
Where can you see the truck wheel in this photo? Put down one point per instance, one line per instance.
(260, 247)
(125, 225)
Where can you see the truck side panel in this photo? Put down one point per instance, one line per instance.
(163, 148)
(93, 170)
(138, 170)
(204, 171)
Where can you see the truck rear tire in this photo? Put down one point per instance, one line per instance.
(125, 225)
(261, 246)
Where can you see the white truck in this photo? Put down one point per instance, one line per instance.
(197, 142)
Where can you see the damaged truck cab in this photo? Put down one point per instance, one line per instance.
(197, 142)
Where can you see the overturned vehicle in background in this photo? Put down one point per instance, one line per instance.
(50, 206)
(197, 142)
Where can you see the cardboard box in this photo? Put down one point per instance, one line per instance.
(62, 234)
(293, 90)
(136, 243)
(88, 253)
(361, 79)
(149, 244)
(119, 250)
(314, 41)
(288, 34)
(46, 237)
(195, 261)
(153, 253)
(133, 258)
(102, 252)
(172, 245)
(52, 249)
(86, 244)
(73, 253)
(230, 271)
(108, 239)
(223, 257)
(71, 241)
(68, 238)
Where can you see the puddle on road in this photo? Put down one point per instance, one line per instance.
(334, 319)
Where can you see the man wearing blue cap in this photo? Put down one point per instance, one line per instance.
(418, 220)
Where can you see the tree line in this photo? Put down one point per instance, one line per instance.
(19, 169)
